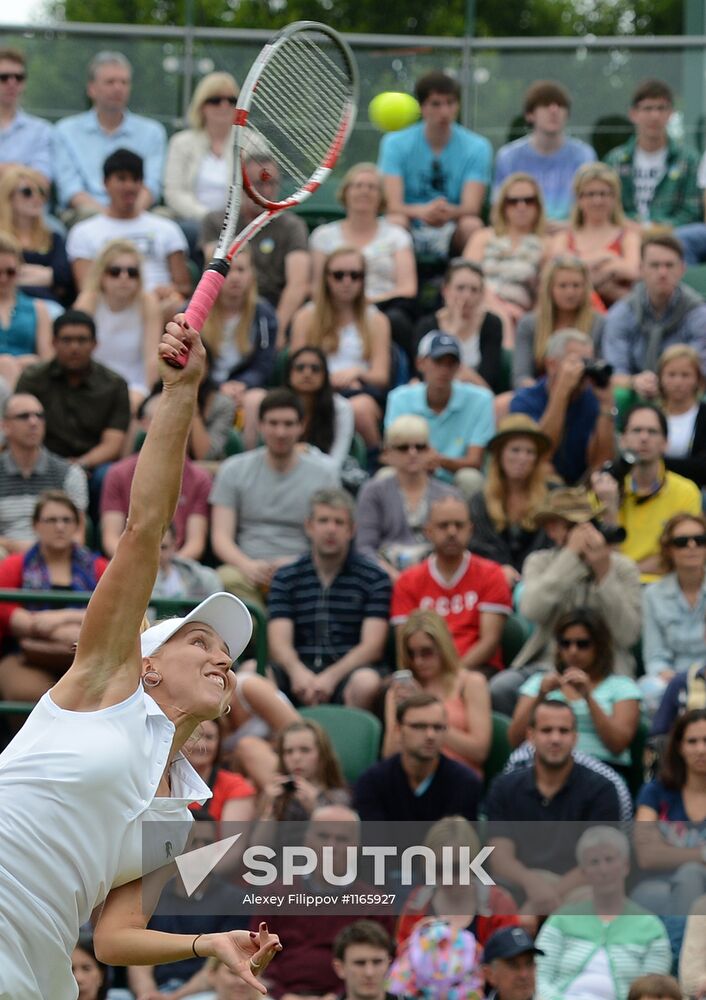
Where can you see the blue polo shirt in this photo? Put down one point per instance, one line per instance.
(328, 620)
(28, 140)
(82, 146)
(467, 420)
(580, 423)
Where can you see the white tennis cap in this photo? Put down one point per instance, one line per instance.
(226, 614)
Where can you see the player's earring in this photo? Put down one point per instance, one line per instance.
(227, 711)
(151, 678)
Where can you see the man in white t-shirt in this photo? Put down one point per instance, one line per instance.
(159, 240)
(657, 175)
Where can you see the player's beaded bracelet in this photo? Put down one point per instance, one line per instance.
(193, 946)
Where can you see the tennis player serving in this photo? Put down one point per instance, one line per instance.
(101, 752)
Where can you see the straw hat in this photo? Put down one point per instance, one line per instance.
(517, 424)
(572, 504)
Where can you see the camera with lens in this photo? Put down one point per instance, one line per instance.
(620, 467)
(597, 371)
(614, 534)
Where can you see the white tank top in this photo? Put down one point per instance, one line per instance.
(75, 788)
(120, 347)
(350, 350)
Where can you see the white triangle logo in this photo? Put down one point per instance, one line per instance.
(196, 865)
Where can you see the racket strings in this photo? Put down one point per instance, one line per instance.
(298, 107)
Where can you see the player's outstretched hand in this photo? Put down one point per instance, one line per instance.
(243, 952)
(181, 343)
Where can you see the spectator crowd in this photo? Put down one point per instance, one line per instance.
(451, 450)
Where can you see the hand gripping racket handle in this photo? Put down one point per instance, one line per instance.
(202, 300)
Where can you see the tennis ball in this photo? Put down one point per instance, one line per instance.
(392, 111)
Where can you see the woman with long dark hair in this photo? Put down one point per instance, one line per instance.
(328, 417)
(606, 704)
(670, 832)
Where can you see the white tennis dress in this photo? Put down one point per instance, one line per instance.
(75, 789)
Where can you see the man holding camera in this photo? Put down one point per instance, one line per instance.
(573, 405)
(645, 496)
(581, 570)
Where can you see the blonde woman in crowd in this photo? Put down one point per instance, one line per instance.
(427, 650)
(599, 233)
(511, 249)
(241, 333)
(354, 336)
(46, 272)
(390, 268)
(128, 318)
(564, 302)
(25, 328)
(199, 159)
(681, 388)
(392, 510)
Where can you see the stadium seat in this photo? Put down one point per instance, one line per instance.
(515, 634)
(695, 277)
(500, 748)
(354, 733)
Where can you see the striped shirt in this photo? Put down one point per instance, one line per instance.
(328, 620)
(19, 492)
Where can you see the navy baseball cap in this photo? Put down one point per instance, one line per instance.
(509, 942)
(436, 344)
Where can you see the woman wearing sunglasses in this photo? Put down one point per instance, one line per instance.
(354, 336)
(606, 704)
(598, 233)
(674, 607)
(328, 417)
(512, 248)
(25, 328)
(46, 272)
(198, 168)
(392, 510)
(128, 319)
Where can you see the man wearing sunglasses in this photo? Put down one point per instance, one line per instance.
(28, 469)
(84, 141)
(547, 154)
(24, 139)
(435, 173)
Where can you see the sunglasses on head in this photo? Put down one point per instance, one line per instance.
(114, 271)
(29, 192)
(307, 366)
(579, 643)
(682, 541)
(340, 275)
(530, 199)
(17, 77)
(405, 446)
(220, 98)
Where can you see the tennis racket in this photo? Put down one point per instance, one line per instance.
(295, 112)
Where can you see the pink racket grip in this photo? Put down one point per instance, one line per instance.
(202, 300)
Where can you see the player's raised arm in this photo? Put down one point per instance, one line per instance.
(108, 662)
